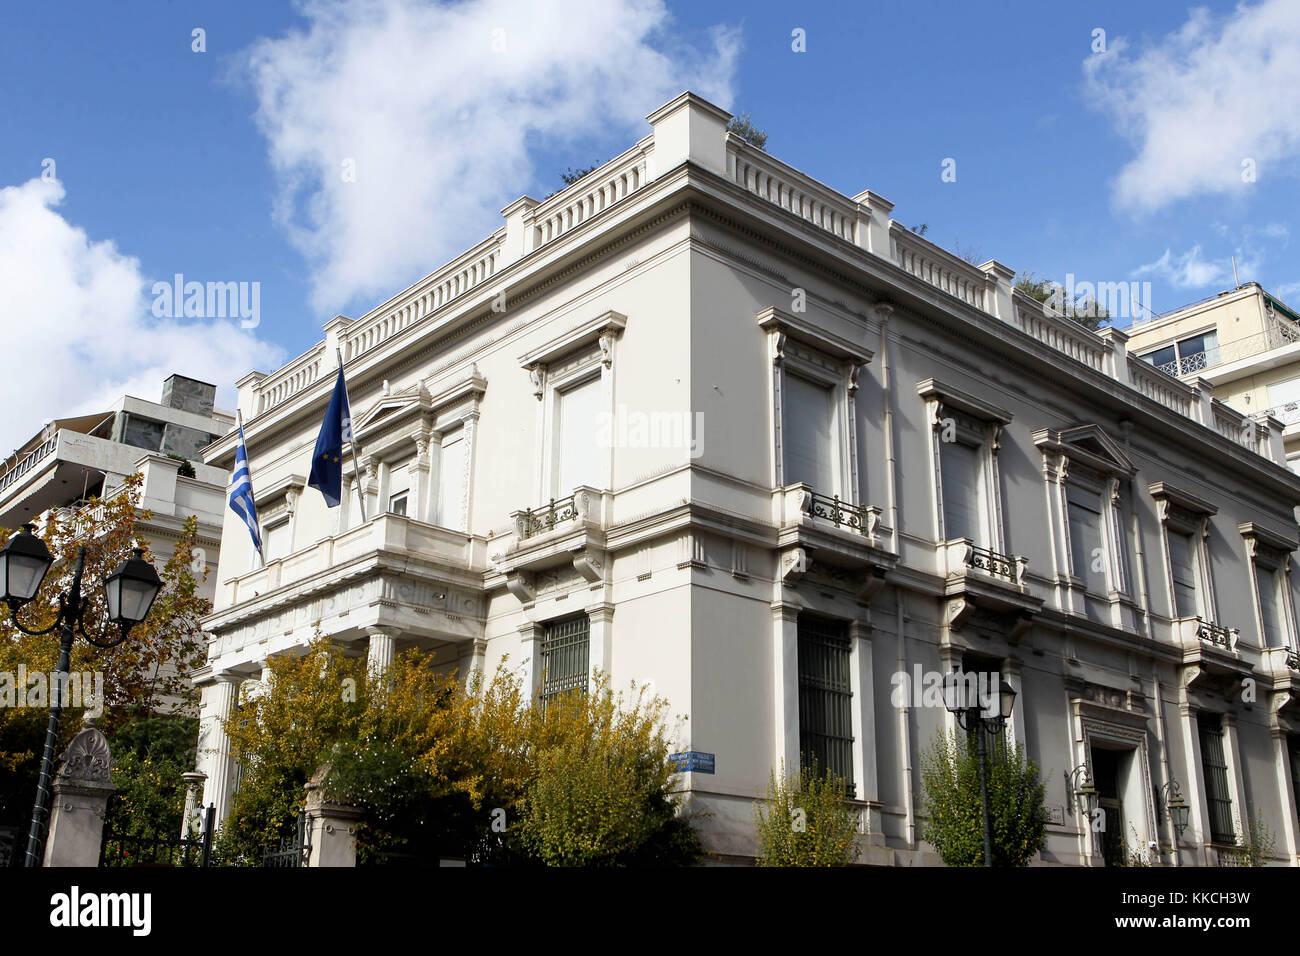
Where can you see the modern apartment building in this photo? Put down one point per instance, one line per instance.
(72, 459)
(703, 421)
(1243, 344)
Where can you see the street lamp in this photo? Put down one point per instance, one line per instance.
(972, 717)
(130, 590)
(1172, 800)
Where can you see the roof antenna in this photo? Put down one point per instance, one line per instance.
(1234, 272)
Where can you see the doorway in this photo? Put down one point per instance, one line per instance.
(1105, 777)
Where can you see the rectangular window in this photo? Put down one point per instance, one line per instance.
(826, 696)
(564, 655)
(807, 435)
(959, 467)
(451, 481)
(1266, 581)
(1295, 771)
(577, 452)
(1085, 538)
(1182, 566)
(275, 541)
(399, 489)
(1215, 767)
(1187, 355)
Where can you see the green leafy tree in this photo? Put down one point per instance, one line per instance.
(743, 126)
(150, 671)
(571, 175)
(1086, 311)
(1018, 816)
(806, 820)
(443, 766)
(601, 794)
(150, 753)
(1255, 843)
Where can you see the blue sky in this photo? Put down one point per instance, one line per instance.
(225, 165)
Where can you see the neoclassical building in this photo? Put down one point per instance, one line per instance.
(700, 420)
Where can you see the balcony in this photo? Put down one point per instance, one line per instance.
(845, 540)
(981, 580)
(565, 535)
(1211, 647)
(391, 571)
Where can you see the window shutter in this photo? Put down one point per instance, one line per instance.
(451, 482)
(275, 542)
(1266, 581)
(959, 471)
(1214, 766)
(806, 434)
(1085, 536)
(1183, 565)
(578, 459)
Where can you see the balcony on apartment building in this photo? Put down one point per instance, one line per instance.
(980, 578)
(1212, 647)
(560, 536)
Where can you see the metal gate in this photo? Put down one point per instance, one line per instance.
(138, 850)
(292, 851)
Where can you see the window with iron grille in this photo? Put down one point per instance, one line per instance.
(1215, 768)
(826, 696)
(564, 657)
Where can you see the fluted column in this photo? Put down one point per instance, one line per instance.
(382, 649)
(218, 703)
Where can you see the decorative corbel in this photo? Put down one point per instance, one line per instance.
(958, 612)
(794, 565)
(871, 585)
(538, 376)
(854, 371)
(777, 343)
(522, 586)
(606, 342)
(588, 563)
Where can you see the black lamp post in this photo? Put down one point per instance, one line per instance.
(130, 590)
(971, 716)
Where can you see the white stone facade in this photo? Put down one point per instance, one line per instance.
(702, 421)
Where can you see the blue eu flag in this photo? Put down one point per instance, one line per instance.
(327, 460)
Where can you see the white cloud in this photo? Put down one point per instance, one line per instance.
(78, 327)
(1199, 103)
(1189, 270)
(437, 106)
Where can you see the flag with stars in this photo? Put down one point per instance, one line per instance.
(327, 460)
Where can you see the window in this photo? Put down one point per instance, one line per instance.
(961, 474)
(1267, 584)
(1295, 771)
(564, 655)
(1215, 767)
(399, 489)
(1085, 537)
(275, 541)
(1187, 355)
(577, 459)
(809, 446)
(1182, 569)
(826, 696)
(451, 481)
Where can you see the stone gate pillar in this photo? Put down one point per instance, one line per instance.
(332, 827)
(81, 791)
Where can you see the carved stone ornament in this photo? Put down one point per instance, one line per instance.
(87, 759)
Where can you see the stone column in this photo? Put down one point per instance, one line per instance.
(785, 688)
(81, 791)
(601, 617)
(191, 822)
(332, 827)
(382, 649)
(214, 750)
(472, 655)
(530, 655)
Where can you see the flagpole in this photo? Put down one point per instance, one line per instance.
(239, 421)
(356, 467)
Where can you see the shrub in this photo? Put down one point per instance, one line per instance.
(1018, 817)
(806, 821)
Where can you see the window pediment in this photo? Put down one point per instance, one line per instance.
(280, 498)
(1179, 503)
(784, 328)
(1089, 446)
(1268, 547)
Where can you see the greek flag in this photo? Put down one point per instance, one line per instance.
(241, 492)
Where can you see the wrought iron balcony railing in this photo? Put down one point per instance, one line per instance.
(1293, 660)
(991, 562)
(842, 513)
(1212, 633)
(530, 522)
